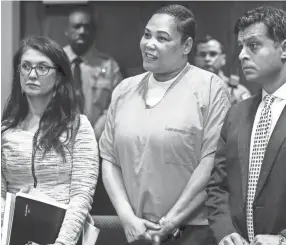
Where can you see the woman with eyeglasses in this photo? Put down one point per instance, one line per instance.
(46, 143)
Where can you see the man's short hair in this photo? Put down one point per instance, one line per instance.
(206, 39)
(86, 9)
(273, 18)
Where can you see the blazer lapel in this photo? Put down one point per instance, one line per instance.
(244, 138)
(277, 137)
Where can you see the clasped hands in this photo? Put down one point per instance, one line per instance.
(236, 239)
(141, 229)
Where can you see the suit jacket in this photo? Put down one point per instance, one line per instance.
(227, 189)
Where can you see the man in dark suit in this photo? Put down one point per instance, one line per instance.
(247, 191)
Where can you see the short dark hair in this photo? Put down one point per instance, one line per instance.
(86, 9)
(62, 110)
(206, 39)
(273, 18)
(184, 17)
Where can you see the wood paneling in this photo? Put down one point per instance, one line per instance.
(10, 29)
(120, 25)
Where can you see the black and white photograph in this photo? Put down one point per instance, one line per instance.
(143, 122)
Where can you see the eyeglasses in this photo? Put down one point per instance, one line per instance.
(41, 70)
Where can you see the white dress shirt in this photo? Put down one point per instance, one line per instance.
(276, 108)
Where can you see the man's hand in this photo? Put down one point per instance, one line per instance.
(136, 229)
(265, 240)
(233, 239)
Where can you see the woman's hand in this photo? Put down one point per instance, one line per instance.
(136, 229)
(161, 235)
(158, 236)
(25, 189)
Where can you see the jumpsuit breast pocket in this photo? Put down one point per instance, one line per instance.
(179, 146)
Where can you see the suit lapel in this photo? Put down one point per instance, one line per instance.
(244, 138)
(277, 137)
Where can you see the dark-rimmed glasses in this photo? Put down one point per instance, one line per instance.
(41, 70)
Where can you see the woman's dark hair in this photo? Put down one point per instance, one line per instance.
(184, 17)
(273, 18)
(63, 108)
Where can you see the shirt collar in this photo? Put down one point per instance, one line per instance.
(171, 80)
(279, 93)
(222, 76)
(72, 56)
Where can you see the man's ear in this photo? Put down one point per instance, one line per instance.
(283, 49)
(188, 44)
(223, 59)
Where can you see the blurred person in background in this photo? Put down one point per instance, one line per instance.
(210, 56)
(161, 135)
(96, 73)
(46, 144)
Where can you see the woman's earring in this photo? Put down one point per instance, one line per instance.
(22, 91)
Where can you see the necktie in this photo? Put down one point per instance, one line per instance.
(78, 82)
(260, 142)
(77, 72)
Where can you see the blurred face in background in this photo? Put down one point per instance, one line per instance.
(161, 45)
(209, 56)
(38, 74)
(80, 32)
